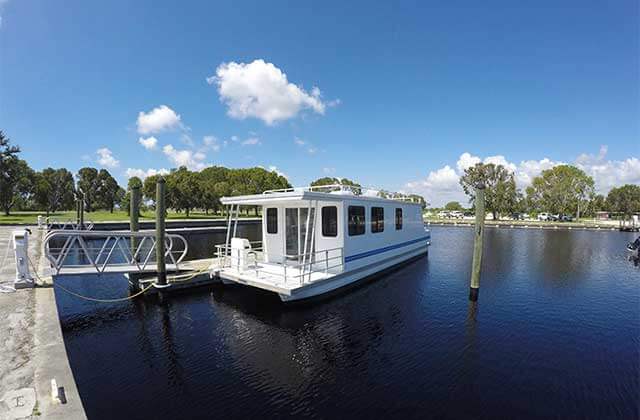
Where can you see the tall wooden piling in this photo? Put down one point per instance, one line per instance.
(160, 231)
(81, 212)
(477, 244)
(134, 216)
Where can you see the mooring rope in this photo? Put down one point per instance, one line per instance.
(86, 297)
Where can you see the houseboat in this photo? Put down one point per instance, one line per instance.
(316, 240)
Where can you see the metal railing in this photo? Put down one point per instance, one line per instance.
(125, 251)
(298, 267)
(68, 224)
(349, 189)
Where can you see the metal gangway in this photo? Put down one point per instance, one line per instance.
(68, 224)
(77, 252)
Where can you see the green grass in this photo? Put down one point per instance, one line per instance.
(31, 217)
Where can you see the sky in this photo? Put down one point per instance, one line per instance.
(397, 95)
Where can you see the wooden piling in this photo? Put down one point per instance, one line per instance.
(477, 244)
(134, 215)
(160, 231)
(81, 211)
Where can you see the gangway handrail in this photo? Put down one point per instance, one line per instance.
(115, 243)
(74, 225)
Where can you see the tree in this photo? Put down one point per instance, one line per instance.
(149, 187)
(16, 183)
(185, 190)
(16, 178)
(501, 195)
(563, 189)
(625, 199)
(108, 191)
(453, 205)
(88, 185)
(54, 189)
(356, 188)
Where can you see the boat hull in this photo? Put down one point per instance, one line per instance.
(354, 277)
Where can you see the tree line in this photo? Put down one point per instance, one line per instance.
(52, 190)
(563, 189)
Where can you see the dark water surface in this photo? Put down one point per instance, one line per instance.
(555, 333)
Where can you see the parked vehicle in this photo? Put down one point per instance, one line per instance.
(443, 214)
(456, 214)
(544, 217)
(517, 216)
(566, 218)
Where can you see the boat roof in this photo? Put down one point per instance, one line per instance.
(320, 193)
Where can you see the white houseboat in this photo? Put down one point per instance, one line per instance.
(318, 239)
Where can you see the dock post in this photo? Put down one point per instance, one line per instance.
(477, 244)
(81, 212)
(134, 215)
(160, 226)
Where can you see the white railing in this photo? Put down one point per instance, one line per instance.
(349, 189)
(298, 267)
(121, 251)
(68, 224)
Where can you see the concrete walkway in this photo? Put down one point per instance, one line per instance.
(32, 350)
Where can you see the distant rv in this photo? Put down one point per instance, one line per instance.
(319, 239)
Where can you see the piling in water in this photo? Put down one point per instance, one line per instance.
(81, 212)
(160, 227)
(477, 244)
(134, 214)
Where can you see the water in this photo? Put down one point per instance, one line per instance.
(555, 333)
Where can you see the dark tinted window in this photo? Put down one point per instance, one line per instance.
(356, 220)
(398, 219)
(272, 220)
(330, 221)
(377, 219)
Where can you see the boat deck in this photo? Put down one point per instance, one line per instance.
(272, 277)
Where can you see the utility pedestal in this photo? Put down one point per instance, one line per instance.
(20, 240)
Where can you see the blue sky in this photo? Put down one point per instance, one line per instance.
(401, 95)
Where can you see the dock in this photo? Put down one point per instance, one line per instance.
(32, 351)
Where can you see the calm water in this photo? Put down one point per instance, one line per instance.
(556, 333)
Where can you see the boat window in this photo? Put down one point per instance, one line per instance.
(330, 221)
(356, 220)
(398, 219)
(377, 219)
(272, 220)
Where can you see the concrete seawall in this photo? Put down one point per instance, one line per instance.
(32, 350)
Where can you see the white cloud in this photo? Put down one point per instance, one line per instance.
(149, 143)
(251, 141)
(105, 158)
(276, 170)
(2, 3)
(261, 90)
(142, 174)
(609, 173)
(192, 160)
(211, 142)
(311, 149)
(329, 171)
(157, 120)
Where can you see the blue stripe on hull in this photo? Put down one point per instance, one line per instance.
(351, 258)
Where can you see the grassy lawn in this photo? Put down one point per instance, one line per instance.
(30, 217)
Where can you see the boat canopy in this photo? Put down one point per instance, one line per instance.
(337, 192)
